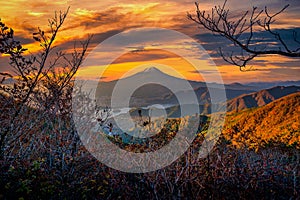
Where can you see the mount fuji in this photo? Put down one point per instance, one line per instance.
(158, 92)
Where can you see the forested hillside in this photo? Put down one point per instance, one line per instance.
(277, 123)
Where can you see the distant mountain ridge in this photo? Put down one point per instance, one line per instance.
(264, 85)
(239, 96)
(260, 98)
(159, 93)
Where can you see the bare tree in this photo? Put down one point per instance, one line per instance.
(41, 90)
(241, 32)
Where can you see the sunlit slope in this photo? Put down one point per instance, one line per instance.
(277, 123)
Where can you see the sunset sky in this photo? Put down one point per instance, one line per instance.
(104, 19)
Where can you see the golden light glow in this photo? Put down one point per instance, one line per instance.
(36, 14)
(125, 63)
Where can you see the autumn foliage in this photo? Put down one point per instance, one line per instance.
(275, 124)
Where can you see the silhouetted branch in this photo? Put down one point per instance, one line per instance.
(241, 32)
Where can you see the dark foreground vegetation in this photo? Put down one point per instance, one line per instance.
(228, 173)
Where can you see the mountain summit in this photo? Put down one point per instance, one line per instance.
(152, 70)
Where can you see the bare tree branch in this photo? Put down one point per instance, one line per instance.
(37, 79)
(241, 33)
